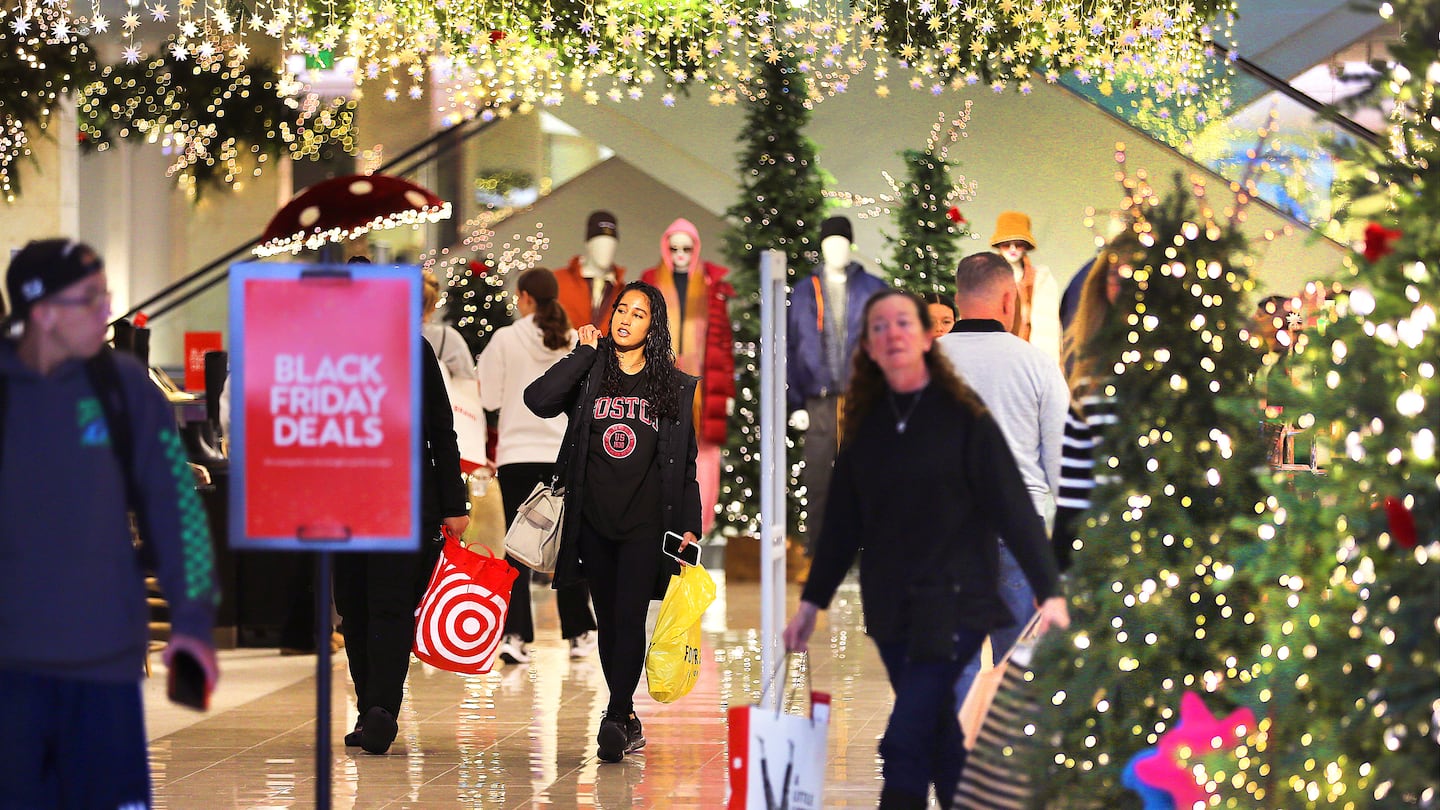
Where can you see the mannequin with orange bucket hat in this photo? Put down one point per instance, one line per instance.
(1037, 318)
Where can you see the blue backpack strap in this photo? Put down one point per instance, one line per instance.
(104, 374)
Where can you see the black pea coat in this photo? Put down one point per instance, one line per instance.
(569, 387)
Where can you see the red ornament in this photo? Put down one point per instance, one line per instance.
(496, 35)
(955, 216)
(1377, 241)
(1402, 523)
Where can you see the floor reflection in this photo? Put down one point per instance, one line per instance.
(523, 736)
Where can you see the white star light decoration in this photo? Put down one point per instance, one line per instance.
(497, 52)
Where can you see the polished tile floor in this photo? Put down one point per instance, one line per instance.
(520, 736)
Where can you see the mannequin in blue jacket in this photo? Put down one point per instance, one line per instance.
(823, 329)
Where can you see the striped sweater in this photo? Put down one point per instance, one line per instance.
(1079, 450)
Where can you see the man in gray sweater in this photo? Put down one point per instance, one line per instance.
(1025, 392)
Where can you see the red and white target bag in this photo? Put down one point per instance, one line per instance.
(461, 619)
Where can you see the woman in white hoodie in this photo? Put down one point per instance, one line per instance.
(528, 446)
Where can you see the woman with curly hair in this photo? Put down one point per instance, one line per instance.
(628, 467)
(924, 483)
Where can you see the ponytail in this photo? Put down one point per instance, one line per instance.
(554, 324)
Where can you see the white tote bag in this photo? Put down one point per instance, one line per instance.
(776, 759)
(470, 430)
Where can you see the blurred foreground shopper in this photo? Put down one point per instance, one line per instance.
(86, 439)
(924, 481)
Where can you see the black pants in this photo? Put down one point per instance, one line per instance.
(376, 595)
(819, 452)
(517, 481)
(622, 579)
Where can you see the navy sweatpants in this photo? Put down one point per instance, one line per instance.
(72, 745)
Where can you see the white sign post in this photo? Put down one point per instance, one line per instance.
(772, 458)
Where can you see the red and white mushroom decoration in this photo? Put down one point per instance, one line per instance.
(343, 208)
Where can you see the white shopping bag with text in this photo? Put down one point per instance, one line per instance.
(777, 760)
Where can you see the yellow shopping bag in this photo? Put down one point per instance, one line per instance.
(672, 664)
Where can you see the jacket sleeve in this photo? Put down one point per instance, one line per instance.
(722, 330)
(177, 528)
(795, 372)
(691, 503)
(439, 427)
(558, 389)
(1054, 404)
(457, 357)
(995, 479)
(492, 371)
(841, 538)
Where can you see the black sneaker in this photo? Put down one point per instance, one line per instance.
(612, 740)
(634, 734)
(378, 731)
(352, 740)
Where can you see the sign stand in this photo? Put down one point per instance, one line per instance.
(323, 416)
(323, 678)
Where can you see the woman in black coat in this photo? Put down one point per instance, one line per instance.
(628, 467)
(924, 482)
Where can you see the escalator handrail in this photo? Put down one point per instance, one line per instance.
(1326, 111)
(442, 141)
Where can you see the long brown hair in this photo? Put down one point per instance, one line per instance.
(867, 381)
(663, 386)
(1077, 355)
(544, 290)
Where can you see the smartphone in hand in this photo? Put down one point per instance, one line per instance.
(186, 683)
(690, 555)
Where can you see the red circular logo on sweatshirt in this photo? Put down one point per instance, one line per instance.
(619, 441)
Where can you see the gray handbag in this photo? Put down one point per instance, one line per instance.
(534, 535)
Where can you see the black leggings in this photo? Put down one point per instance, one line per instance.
(622, 578)
(517, 481)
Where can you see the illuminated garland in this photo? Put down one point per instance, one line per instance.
(541, 51)
(218, 119)
(42, 58)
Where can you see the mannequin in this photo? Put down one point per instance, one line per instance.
(697, 298)
(1037, 318)
(824, 328)
(589, 282)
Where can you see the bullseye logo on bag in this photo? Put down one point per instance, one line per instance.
(459, 624)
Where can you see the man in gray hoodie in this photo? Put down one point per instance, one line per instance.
(73, 616)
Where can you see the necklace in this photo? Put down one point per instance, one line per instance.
(634, 367)
(902, 421)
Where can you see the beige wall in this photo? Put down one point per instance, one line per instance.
(1049, 154)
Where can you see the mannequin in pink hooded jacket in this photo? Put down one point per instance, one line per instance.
(697, 298)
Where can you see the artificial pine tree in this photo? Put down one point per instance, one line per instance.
(780, 207)
(1373, 387)
(926, 249)
(477, 303)
(1161, 604)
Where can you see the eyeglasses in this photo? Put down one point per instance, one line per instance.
(681, 249)
(89, 300)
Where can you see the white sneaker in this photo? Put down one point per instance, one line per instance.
(582, 645)
(513, 650)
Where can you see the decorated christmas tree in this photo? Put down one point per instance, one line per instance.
(780, 207)
(930, 225)
(476, 303)
(1161, 600)
(1372, 390)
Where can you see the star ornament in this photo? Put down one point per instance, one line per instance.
(1198, 735)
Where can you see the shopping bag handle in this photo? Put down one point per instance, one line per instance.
(782, 670)
(1027, 635)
